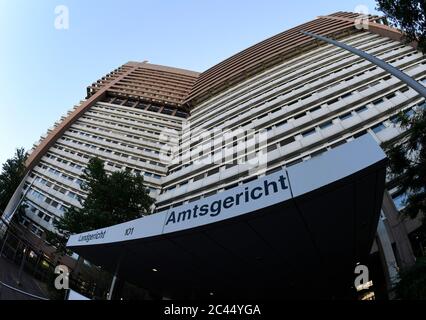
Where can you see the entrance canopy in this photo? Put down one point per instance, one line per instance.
(297, 231)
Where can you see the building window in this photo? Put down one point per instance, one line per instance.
(181, 114)
(308, 133)
(332, 101)
(54, 204)
(399, 200)
(378, 101)
(338, 143)
(346, 116)
(318, 153)
(167, 111)
(279, 124)
(153, 108)
(199, 177)
(300, 115)
(346, 95)
(130, 103)
(326, 124)
(394, 119)
(391, 95)
(377, 128)
(212, 172)
(359, 134)
(230, 165)
(315, 109)
(404, 89)
(272, 147)
(361, 109)
(72, 195)
(409, 113)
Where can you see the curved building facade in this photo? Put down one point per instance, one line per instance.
(281, 102)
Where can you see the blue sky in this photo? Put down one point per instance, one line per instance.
(45, 71)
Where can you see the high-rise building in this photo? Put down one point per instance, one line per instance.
(167, 124)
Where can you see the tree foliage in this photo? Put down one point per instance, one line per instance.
(409, 16)
(408, 162)
(111, 199)
(412, 285)
(408, 156)
(13, 171)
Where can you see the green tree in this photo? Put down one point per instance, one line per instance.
(408, 162)
(408, 155)
(13, 171)
(412, 285)
(111, 199)
(409, 16)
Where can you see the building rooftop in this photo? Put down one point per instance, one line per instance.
(148, 82)
(268, 53)
(184, 88)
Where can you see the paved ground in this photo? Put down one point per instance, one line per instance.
(9, 275)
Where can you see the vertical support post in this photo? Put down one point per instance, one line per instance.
(114, 280)
(67, 294)
(16, 250)
(5, 238)
(21, 268)
(389, 261)
(111, 289)
(17, 200)
(404, 251)
(78, 264)
(39, 255)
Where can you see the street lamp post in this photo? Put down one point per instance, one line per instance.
(409, 81)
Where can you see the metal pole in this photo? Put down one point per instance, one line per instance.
(21, 268)
(24, 195)
(409, 81)
(389, 260)
(16, 249)
(78, 264)
(111, 289)
(36, 264)
(67, 294)
(4, 243)
(114, 280)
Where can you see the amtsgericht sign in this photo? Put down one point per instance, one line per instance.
(229, 200)
(249, 197)
(263, 192)
(246, 198)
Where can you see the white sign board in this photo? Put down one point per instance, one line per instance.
(266, 191)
